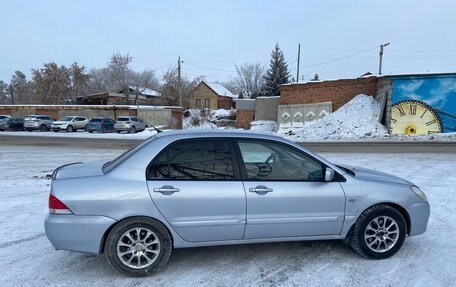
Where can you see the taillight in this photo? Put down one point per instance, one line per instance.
(57, 207)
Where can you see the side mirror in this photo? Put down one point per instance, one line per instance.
(329, 174)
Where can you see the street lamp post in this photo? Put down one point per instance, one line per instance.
(381, 58)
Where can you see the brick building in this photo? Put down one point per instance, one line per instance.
(338, 92)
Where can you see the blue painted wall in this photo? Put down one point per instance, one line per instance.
(437, 91)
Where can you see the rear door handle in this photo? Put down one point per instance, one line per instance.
(166, 190)
(261, 189)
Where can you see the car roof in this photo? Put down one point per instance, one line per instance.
(198, 133)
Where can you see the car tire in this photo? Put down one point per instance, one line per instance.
(132, 130)
(123, 247)
(29, 130)
(90, 131)
(43, 128)
(70, 129)
(56, 131)
(379, 232)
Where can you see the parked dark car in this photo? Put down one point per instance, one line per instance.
(101, 124)
(13, 124)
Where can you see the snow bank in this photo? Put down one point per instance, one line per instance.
(263, 126)
(209, 119)
(355, 120)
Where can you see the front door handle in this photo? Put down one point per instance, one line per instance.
(261, 189)
(166, 190)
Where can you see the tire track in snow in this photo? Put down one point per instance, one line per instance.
(19, 241)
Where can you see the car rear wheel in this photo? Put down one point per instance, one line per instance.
(43, 128)
(138, 246)
(133, 130)
(70, 129)
(379, 232)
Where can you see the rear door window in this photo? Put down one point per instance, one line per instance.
(205, 159)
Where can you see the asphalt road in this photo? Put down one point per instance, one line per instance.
(352, 147)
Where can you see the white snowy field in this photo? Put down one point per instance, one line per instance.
(28, 259)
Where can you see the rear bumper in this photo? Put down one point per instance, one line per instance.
(419, 216)
(77, 233)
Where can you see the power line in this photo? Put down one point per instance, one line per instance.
(341, 58)
(164, 66)
(209, 68)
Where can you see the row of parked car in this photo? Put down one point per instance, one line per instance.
(130, 124)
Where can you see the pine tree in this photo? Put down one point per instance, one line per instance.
(277, 73)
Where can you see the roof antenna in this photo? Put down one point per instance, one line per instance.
(158, 131)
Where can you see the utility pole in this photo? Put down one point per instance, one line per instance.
(381, 58)
(12, 92)
(299, 58)
(179, 80)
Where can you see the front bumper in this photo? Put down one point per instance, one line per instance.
(59, 128)
(77, 233)
(419, 216)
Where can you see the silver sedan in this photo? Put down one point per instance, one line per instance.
(198, 188)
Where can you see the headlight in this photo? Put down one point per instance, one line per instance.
(419, 192)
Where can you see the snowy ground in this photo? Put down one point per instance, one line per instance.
(28, 259)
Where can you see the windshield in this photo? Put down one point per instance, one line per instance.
(66, 119)
(95, 120)
(118, 160)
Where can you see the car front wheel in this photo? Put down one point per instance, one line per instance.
(138, 246)
(379, 232)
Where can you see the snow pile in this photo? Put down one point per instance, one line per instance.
(356, 119)
(263, 126)
(209, 119)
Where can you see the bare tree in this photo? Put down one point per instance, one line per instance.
(3, 92)
(249, 80)
(119, 70)
(142, 81)
(169, 91)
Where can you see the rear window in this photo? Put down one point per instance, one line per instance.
(121, 158)
(43, 118)
(95, 120)
(123, 119)
(28, 118)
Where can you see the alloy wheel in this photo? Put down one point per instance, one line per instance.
(138, 247)
(381, 234)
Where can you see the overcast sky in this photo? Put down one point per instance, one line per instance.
(211, 36)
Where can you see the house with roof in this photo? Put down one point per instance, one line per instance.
(211, 96)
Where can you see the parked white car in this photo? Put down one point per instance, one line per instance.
(129, 124)
(70, 124)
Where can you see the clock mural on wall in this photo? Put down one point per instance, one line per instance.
(414, 117)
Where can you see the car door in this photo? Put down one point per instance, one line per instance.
(196, 185)
(286, 192)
